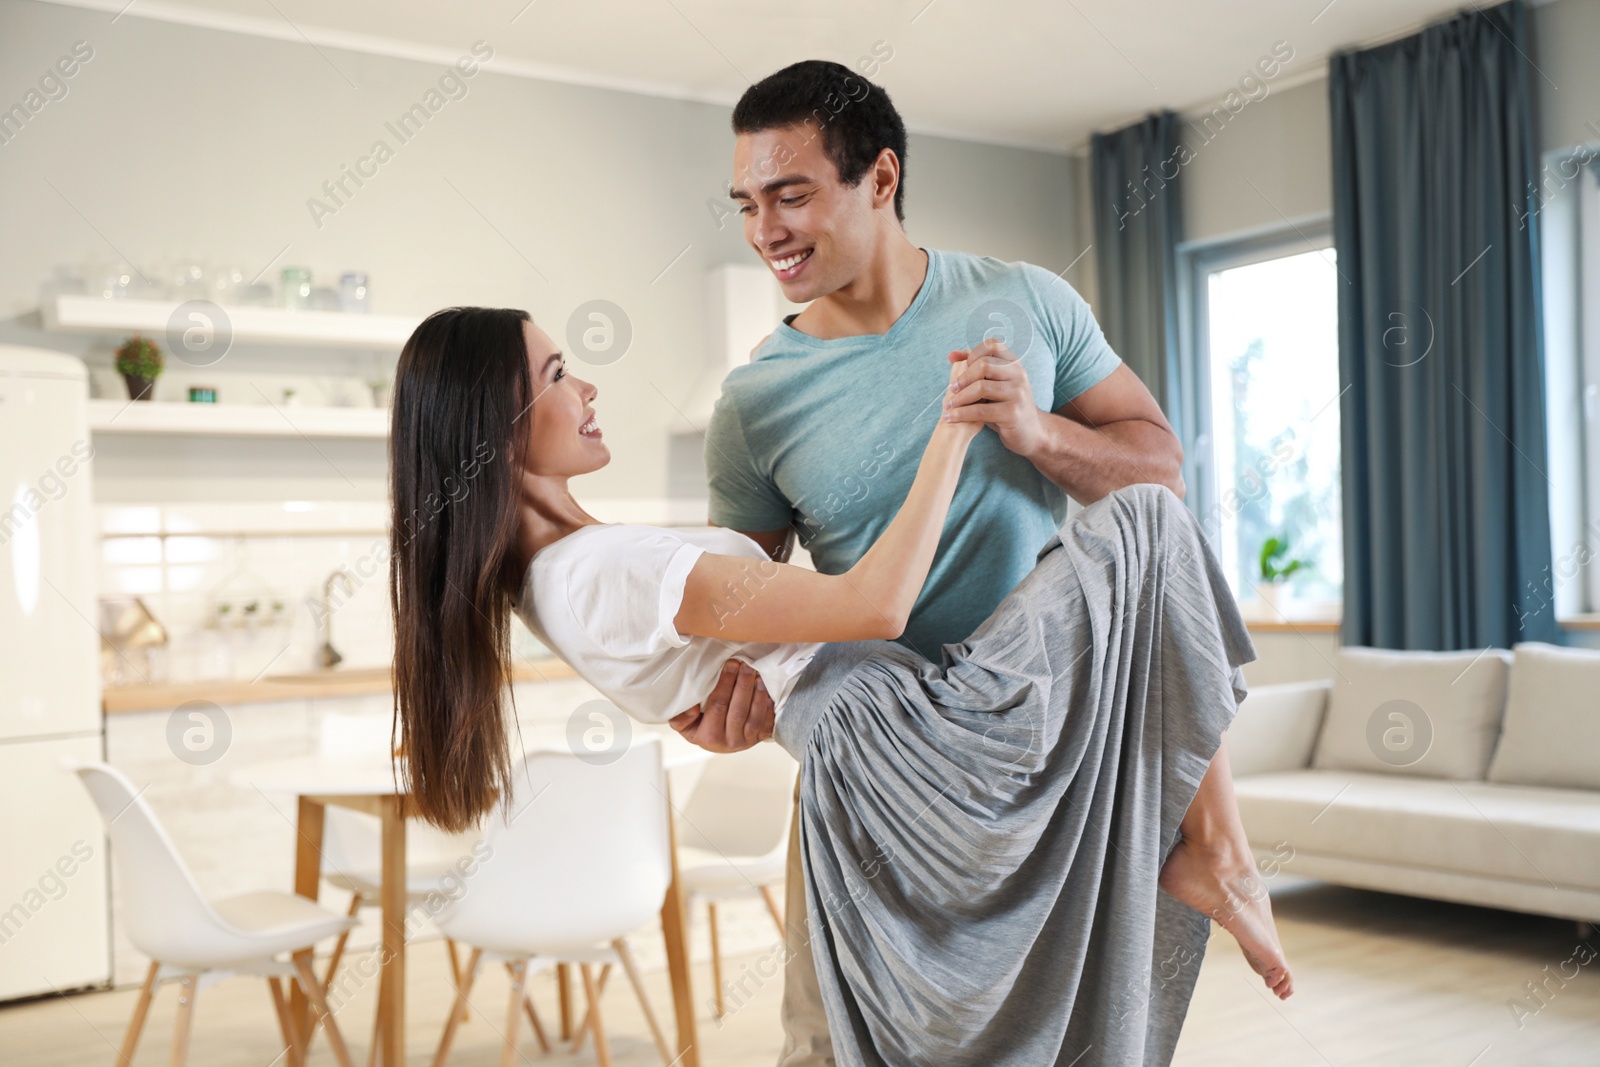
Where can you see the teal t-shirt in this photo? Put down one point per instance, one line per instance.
(826, 435)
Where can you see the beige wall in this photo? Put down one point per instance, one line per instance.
(1269, 164)
(1566, 42)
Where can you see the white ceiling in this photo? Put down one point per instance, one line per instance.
(1040, 73)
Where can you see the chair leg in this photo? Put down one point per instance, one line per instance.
(356, 900)
(716, 957)
(773, 907)
(291, 1036)
(591, 992)
(141, 1010)
(538, 1027)
(463, 987)
(519, 974)
(631, 968)
(188, 986)
(532, 1013)
(319, 1004)
(376, 1044)
(356, 903)
(564, 992)
(582, 1031)
(455, 974)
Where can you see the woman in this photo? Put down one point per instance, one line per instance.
(983, 838)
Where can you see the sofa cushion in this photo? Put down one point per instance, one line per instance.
(1518, 833)
(1276, 727)
(1427, 714)
(1551, 732)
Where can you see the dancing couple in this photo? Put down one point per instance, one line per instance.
(1014, 817)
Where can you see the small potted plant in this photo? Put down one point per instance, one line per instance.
(139, 362)
(1276, 568)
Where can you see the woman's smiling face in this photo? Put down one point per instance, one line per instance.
(564, 438)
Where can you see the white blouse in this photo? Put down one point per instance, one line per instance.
(604, 597)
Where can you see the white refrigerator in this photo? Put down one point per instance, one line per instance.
(54, 915)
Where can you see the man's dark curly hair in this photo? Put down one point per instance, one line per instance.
(857, 118)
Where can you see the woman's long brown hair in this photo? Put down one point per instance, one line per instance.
(461, 390)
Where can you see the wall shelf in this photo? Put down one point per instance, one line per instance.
(235, 420)
(251, 325)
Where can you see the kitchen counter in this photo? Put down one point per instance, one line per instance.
(356, 681)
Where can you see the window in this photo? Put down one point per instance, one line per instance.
(1589, 394)
(1262, 344)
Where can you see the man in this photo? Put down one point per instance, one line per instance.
(821, 433)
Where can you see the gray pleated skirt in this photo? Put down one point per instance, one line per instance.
(981, 838)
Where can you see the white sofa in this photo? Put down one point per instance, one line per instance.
(1468, 776)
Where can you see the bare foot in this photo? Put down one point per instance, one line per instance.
(1222, 883)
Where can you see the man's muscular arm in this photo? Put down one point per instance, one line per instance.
(739, 712)
(1111, 435)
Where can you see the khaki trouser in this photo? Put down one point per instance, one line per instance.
(805, 1023)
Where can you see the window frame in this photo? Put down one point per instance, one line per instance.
(1567, 203)
(1589, 301)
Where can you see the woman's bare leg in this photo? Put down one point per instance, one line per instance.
(1213, 871)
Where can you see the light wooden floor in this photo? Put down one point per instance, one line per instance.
(1380, 980)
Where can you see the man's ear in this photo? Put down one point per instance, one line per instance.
(885, 176)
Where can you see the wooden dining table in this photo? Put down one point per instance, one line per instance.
(367, 784)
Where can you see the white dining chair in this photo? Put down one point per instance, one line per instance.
(186, 936)
(733, 836)
(576, 858)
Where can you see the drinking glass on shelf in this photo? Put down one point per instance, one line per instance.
(110, 281)
(353, 292)
(257, 294)
(151, 282)
(226, 284)
(296, 288)
(186, 280)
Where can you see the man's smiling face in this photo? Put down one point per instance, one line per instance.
(815, 233)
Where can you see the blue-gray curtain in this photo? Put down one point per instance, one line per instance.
(1446, 509)
(1138, 221)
